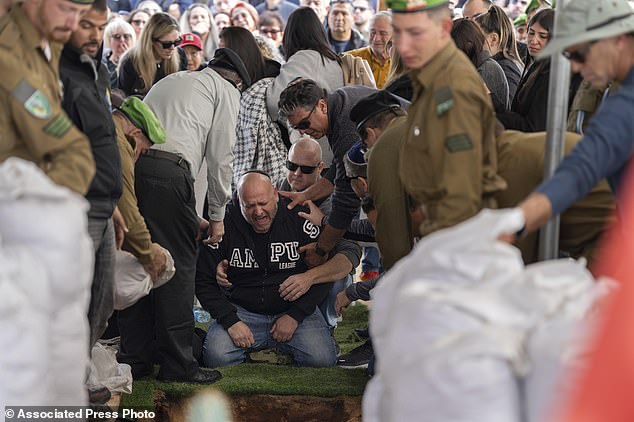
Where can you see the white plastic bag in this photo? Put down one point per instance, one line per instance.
(106, 371)
(132, 282)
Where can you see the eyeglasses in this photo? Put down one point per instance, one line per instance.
(118, 37)
(305, 169)
(169, 44)
(579, 55)
(305, 122)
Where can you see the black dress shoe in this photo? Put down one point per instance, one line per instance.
(363, 333)
(200, 377)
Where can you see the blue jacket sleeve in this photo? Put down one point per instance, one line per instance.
(603, 152)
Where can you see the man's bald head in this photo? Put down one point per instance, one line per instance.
(258, 200)
(474, 8)
(305, 154)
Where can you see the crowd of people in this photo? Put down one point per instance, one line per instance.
(315, 127)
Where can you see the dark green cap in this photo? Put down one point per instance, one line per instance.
(144, 118)
(413, 6)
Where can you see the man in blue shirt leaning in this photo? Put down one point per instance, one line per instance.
(598, 39)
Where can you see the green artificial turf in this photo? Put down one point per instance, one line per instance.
(250, 379)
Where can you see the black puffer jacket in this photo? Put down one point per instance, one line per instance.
(87, 103)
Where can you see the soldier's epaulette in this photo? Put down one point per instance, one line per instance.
(444, 100)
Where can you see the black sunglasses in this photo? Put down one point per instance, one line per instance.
(579, 55)
(305, 169)
(305, 122)
(168, 44)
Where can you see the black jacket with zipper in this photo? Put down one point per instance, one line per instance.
(87, 103)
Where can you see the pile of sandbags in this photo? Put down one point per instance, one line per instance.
(46, 264)
(463, 331)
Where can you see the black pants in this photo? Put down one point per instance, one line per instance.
(163, 322)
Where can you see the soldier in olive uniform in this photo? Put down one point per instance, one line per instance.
(448, 162)
(33, 125)
(378, 114)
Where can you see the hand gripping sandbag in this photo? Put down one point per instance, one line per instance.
(132, 282)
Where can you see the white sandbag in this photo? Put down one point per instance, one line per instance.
(132, 282)
(558, 347)
(459, 323)
(23, 328)
(107, 372)
(50, 221)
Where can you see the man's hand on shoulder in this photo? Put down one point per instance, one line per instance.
(295, 286)
(297, 198)
(284, 328)
(311, 257)
(241, 335)
(314, 215)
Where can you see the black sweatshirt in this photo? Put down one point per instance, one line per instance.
(259, 263)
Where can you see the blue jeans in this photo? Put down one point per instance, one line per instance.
(101, 231)
(371, 259)
(311, 344)
(327, 307)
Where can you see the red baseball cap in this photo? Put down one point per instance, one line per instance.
(191, 39)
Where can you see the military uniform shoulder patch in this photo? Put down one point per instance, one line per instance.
(58, 126)
(458, 143)
(444, 100)
(33, 100)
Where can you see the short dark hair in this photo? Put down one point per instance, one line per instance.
(381, 120)
(100, 6)
(300, 93)
(305, 32)
(269, 18)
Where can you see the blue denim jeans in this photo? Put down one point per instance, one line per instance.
(327, 307)
(311, 344)
(371, 259)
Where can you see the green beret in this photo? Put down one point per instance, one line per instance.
(144, 118)
(413, 6)
(520, 20)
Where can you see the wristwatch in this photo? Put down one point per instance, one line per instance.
(319, 251)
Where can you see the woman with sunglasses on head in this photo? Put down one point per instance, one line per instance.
(119, 37)
(500, 42)
(530, 105)
(155, 56)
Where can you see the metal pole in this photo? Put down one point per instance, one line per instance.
(558, 85)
